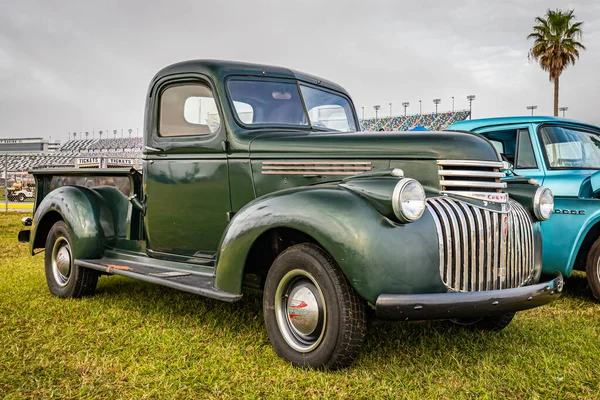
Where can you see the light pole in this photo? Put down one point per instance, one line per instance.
(376, 108)
(405, 105)
(86, 135)
(452, 103)
(129, 130)
(363, 113)
(390, 110)
(531, 108)
(436, 102)
(69, 135)
(420, 109)
(563, 109)
(115, 133)
(471, 97)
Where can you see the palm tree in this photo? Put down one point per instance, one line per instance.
(556, 44)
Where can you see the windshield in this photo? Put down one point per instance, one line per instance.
(281, 103)
(571, 148)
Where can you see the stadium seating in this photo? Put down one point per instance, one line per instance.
(132, 147)
(72, 149)
(433, 122)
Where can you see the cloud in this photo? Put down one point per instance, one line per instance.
(76, 66)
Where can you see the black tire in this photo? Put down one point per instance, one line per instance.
(64, 278)
(340, 324)
(21, 198)
(592, 269)
(486, 324)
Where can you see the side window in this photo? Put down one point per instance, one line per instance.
(505, 143)
(244, 111)
(498, 145)
(525, 155)
(187, 110)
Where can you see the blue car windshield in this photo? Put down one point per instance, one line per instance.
(569, 148)
(271, 103)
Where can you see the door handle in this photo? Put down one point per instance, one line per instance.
(154, 149)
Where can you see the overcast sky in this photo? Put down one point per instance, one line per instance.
(72, 65)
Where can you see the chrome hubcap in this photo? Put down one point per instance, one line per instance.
(61, 261)
(300, 311)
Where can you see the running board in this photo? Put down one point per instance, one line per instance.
(200, 284)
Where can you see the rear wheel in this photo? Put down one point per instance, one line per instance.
(21, 197)
(64, 278)
(487, 324)
(592, 269)
(314, 318)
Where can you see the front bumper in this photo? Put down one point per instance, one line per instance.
(407, 307)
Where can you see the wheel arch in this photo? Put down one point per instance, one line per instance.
(271, 244)
(374, 253)
(86, 214)
(578, 258)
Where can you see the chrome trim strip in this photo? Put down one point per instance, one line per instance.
(445, 270)
(473, 242)
(468, 173)
(480, 240)
(489, 245)
(475, 184)
(471, 163)
(438, 227)
(316, 163)
(271, 168)
(309, 173)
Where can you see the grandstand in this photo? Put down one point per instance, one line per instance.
(131, 148)
(67, 154)
(433, 122)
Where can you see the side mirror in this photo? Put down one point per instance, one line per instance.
(508, 168)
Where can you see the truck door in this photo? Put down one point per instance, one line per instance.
(185, 170)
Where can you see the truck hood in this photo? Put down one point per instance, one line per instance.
(413, 145)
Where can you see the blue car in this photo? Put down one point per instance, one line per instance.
(563, 155)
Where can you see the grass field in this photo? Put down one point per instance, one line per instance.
(135, 340)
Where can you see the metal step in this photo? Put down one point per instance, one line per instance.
(187, 281)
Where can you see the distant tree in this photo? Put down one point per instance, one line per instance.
(556, 44)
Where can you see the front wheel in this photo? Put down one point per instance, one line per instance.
(486, 324)
(64, 278)
(21, 198)
(314, 318)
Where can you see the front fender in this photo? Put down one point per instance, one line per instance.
(86, 215)
(376, 254)
(564, 233)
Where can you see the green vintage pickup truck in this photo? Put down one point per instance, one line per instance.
(256, 176)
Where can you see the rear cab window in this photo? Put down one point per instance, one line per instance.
(187, 109)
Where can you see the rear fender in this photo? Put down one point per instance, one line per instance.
(86, 214)
(376, 254)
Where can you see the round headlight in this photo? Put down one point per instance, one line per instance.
(543, 203)
(408, 200)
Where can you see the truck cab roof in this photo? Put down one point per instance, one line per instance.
(472, 125)
(218, 70)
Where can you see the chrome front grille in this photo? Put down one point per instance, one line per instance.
(482, 249)
(459, 176)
